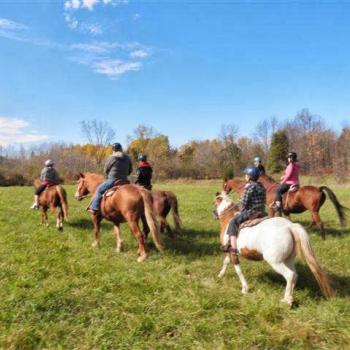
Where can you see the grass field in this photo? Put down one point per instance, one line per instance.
(59, 293)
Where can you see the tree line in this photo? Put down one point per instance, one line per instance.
(321, 151)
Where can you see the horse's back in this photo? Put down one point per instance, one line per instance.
(272, 238)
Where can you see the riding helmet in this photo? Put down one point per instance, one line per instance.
(117, 147)
(49, 162)
(142, 157)
(293, 156)
(253, 172)
(257, 159)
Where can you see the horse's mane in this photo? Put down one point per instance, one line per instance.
(267, 178)
(93, 176)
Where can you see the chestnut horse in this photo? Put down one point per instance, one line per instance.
(308, 197)
(275, 240)
(163, 203)
(53, 198)
(129, 203)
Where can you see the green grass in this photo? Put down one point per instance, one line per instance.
(59, 293)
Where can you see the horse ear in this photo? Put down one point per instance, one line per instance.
(225, 179)
(81, 175)
(217, 193)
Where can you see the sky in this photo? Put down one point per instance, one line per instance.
(184, 68)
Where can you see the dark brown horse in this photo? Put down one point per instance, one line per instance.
(129, 203)
(55, 199)
(308, 197)
(163, 203)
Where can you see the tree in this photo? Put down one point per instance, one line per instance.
(100, 134)
(278, 151)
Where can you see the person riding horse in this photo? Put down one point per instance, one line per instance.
(117, 167)
(252, 205)
(290, 178)
(144, 172)
(258, 164)
(48, 177)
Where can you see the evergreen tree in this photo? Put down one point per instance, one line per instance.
(278, 152)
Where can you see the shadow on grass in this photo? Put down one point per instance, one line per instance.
(86, 223)
(306, 281)
(189, 243)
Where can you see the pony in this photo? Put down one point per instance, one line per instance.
(307, 197)
(53, 198)
(275, 240)
(163, 203)
(129, 203)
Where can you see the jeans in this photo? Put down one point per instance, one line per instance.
(281, 190)
(95, 204)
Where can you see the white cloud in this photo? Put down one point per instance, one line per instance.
(89, 4)
(7, 24)
(96, 47)
(136, 16)
(14, 131)
(139, 53)
(94, 29)
(115, 68)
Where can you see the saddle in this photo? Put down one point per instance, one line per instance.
(117, 184)
(252, 222)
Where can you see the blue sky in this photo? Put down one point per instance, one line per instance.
(183, 68)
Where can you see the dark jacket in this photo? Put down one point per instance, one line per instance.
(262, 169)
(118, 166)
(50, 174)
(144, 174)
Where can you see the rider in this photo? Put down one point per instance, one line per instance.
(252, 205)
(144, 172)
(290, 177)
(258, 164)
(117, 167)
(48, 177)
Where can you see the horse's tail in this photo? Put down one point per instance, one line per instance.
(338, 207)
(63, 198)
(151, 217)
(303, 243)
(174, 210)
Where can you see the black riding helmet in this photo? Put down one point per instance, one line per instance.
(253, 172)
(117, 147)
(293, 156)
(142, 157)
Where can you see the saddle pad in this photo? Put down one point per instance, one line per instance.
(117, 185)
(254, 222)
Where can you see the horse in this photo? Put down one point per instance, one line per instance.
(129, 203)
(163, 203)
(53, 197)
(275, 240)
(307, 197)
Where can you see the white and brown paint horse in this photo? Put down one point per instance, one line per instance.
(275, 240)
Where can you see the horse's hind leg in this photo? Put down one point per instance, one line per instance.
(145, 226)
(141, 240)
(237, 266)
(59, 220)
(316, 218)
(119, 241)
(287, 270)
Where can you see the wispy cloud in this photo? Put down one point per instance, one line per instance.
(11, 29)
(114, 68)
(14, 131)
(110, 59)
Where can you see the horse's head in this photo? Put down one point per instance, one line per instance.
(82, 189)
(222, 202)
(226, 186)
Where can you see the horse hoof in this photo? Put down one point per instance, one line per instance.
(287, 301)
(245, 290)
(94, 244)
(141, 258)
(60, 228)
(119, 250)
(221, 275)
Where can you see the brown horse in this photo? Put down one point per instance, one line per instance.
(163, 203)
(52, 198)
(129, 203)
(308, 197)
